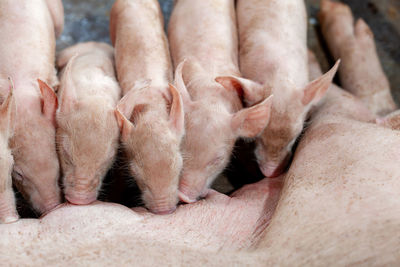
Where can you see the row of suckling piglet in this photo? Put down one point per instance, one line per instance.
(150, 115)
(176, 137)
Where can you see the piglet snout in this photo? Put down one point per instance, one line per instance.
(163, 211)
(81, 198)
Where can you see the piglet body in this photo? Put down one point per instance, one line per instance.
(87, 133)
(36, 168)
(273, 58)
(204, 33)
(150, 114)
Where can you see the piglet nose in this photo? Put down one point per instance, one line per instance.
(163, 211)
(80, 198)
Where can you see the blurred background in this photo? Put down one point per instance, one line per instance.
(88, 20)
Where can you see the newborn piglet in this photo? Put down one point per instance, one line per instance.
(36, 167)
(204, 33)
(273, 59)
(150, 115)
(87, 133)
(8, 211)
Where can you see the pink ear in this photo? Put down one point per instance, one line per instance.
(127, 103)
(250, 122)
(180, 84)
(124, 124)
(251, 92)
(176, 115)
(49, 101)
(68, 97)
(315, 90)
(7, 112)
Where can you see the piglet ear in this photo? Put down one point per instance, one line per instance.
(7, 112)
(49, 101)
(124, 124)
(180, 84)
(176, 115)
(127, 110)
(250, 122)
(127, 104)
(68, 97)
(251, 92)
(316, 90)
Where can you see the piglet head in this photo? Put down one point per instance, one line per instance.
(211, 131)
(7, 200)
(289, 111)
(36, 169)
(152, 127)
(87, 139)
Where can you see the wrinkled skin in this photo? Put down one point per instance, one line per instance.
(150, 115)
(204, 33)
(8, 212)
(87, 132)
(36, 168)
(355, 44)
(273, 59)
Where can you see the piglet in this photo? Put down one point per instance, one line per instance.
(8, 211)
(150, 115)
(273, 59)
(354, 43)
(204, 33)
(36, 168)
(87, 133)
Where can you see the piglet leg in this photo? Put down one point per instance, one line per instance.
(360, 71)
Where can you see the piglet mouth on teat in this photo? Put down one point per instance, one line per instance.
(81, 199)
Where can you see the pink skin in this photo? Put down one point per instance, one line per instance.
(36, 168)
(355, 44)
(150, 115)
(87, 133)
(8, 212)
(214, 116)
(273, 59)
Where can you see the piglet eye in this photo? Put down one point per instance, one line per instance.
(17, 176)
